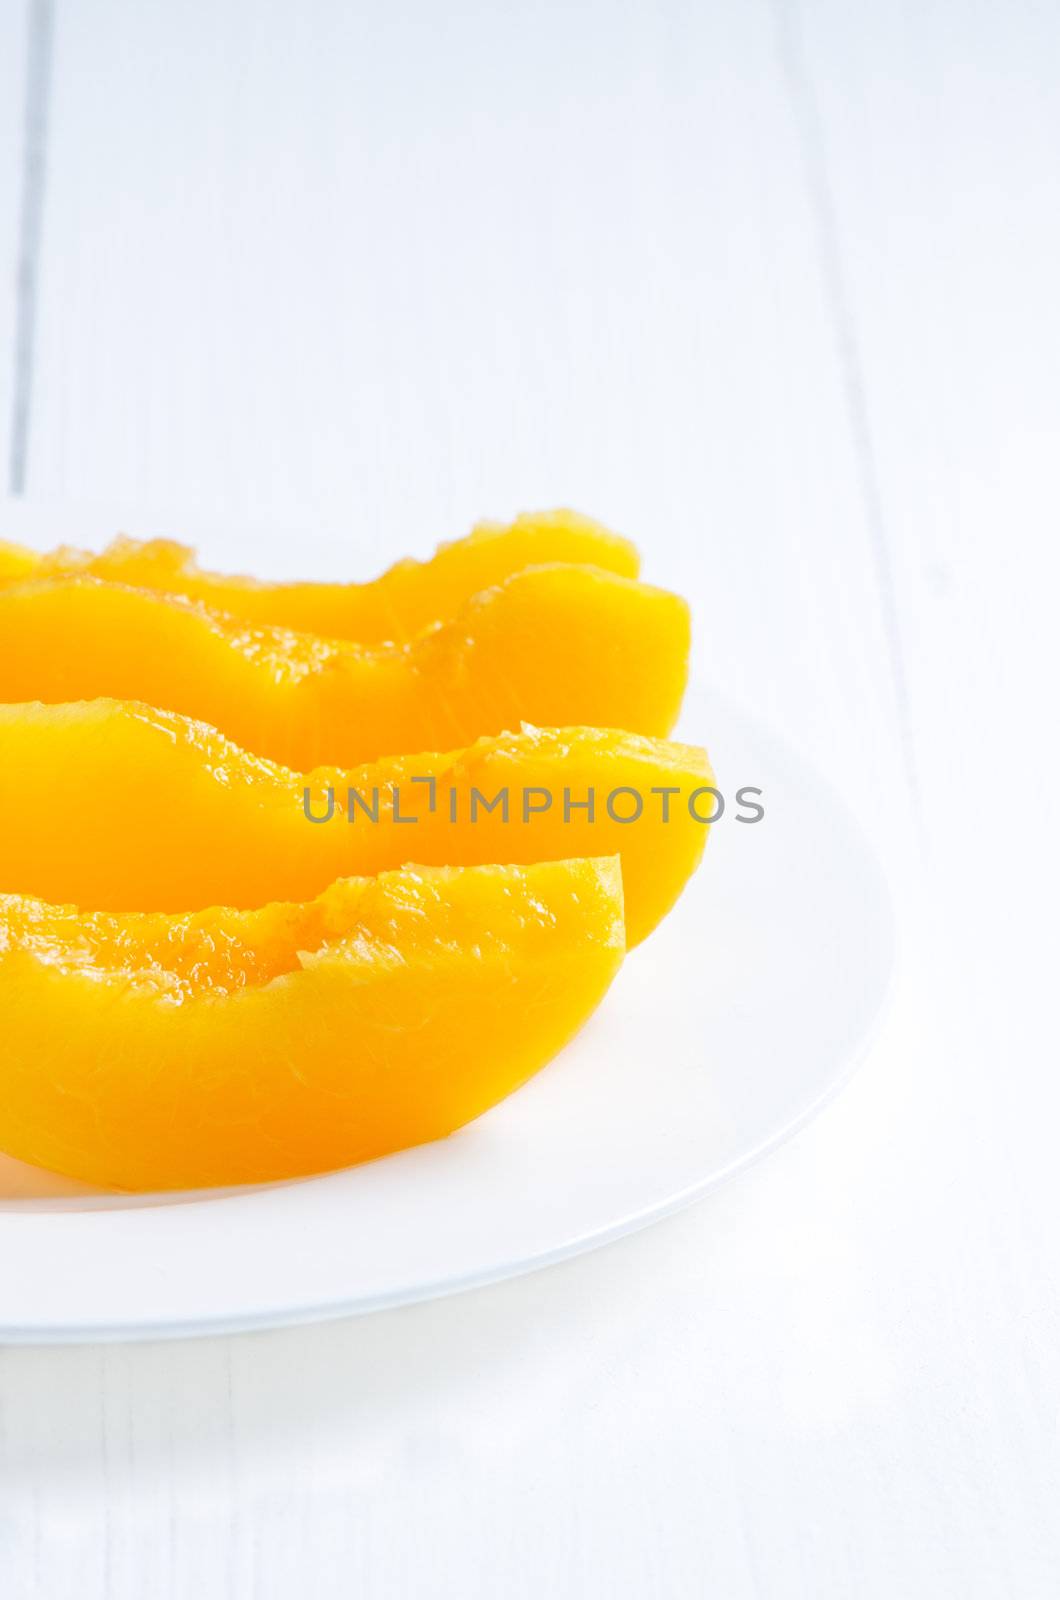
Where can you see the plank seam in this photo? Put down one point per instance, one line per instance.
(802, 98)
(30, 226)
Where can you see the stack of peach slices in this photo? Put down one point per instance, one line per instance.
(298, 874)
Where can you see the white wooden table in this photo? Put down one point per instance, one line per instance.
(773, 288)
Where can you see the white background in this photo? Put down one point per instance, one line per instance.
(773, 288)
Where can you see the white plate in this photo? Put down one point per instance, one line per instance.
(738, 1020)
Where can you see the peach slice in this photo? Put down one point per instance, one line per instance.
(408, 598)
(114, 806)
(170, 1052)
(553, 645)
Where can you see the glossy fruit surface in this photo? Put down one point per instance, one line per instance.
(219, 1047)
(555, 645)
(114, 806)
(410, 597)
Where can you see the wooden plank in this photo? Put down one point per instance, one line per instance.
(940, 128)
